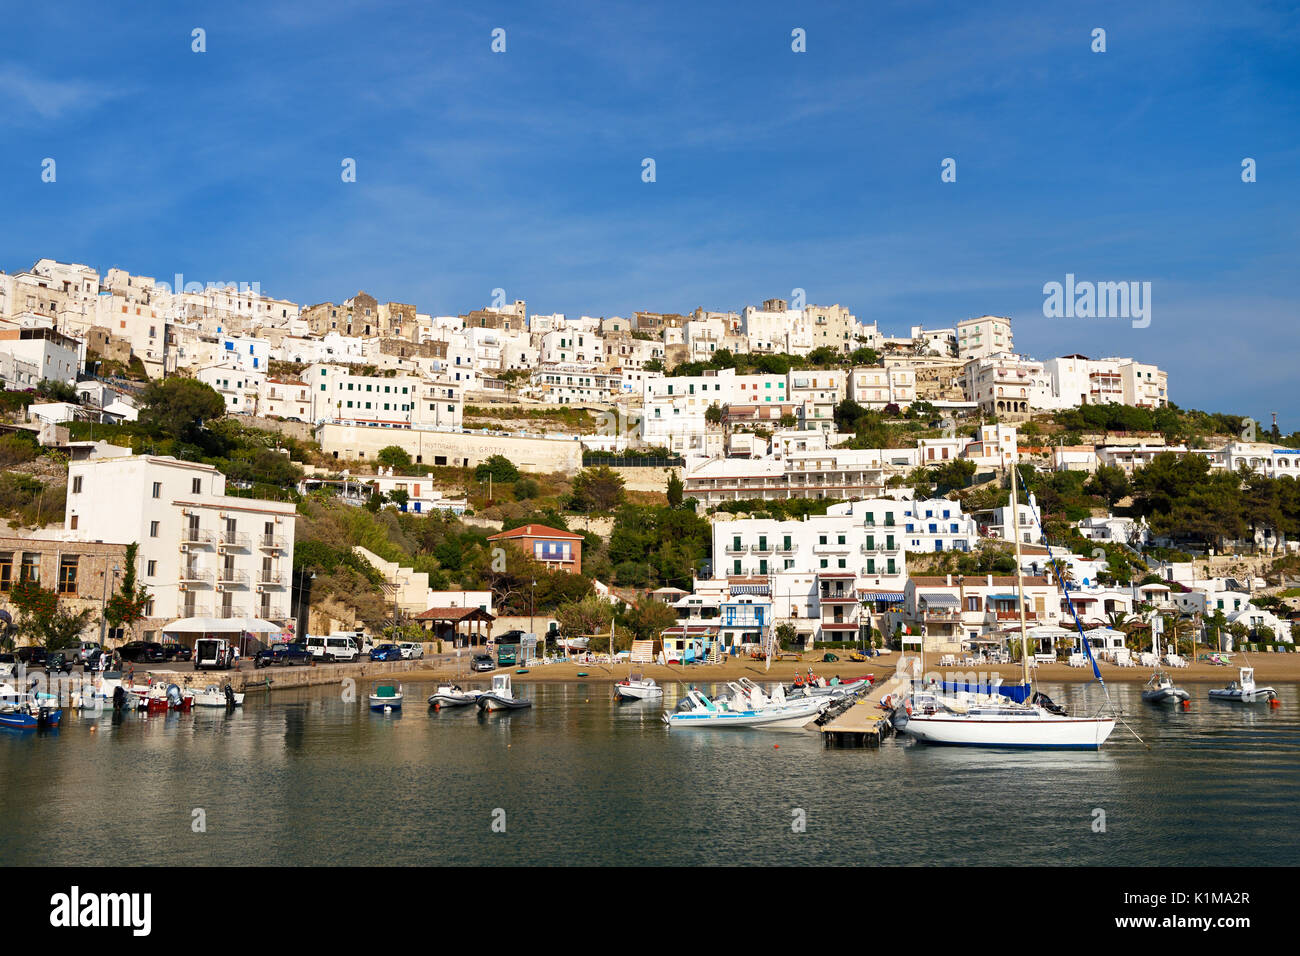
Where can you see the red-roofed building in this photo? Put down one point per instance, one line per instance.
(558, 550)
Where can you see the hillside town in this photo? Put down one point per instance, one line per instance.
(785, 475)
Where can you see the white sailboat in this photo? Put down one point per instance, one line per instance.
(972, 720)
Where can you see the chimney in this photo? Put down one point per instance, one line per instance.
(949, 581)
(990, 580)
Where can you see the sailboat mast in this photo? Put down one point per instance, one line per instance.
(1020, 578)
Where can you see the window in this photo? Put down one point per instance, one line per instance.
(151, 569)
(6, 571)
(196, 486)
(153, 529)
(30, 571)
(68, 574)
(157, 489)
(74, 521)
(76, 485)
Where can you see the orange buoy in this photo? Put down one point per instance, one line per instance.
(1274, 702)
(1187, 705)
(776, 746)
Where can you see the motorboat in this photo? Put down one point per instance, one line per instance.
(161, 698)
(746, 708)
(501, 696)
(1161, 689)
(1243, 689)
(829, 689)
(637, 687)
(452, 695)
(28, 711)
(218, 696)
(386, 698)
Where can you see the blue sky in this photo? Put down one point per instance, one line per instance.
(775, 170)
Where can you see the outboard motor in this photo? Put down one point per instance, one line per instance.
(173, 697)
(119, 699)
(230, 697)
(1045, 702)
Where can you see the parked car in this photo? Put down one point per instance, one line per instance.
(482, 662)
(386, 652)
(32, 656)
(511, 637)
(412, 650)
(8, 664)
(177, 652)
(58, 661)
(335, 647)
(285, 655)
(143, 652)
(87, 653)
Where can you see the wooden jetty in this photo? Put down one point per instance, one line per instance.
(864, 724)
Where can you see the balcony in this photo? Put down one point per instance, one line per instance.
(229, 611)
(270, 542)
(190, 575)
(229, 579)
(195, 610)
(270, 579)
(196, 536)
(787, 551)
(831, 548)
(838, 598)
(233, 541)
(941, 614)
(737, 549)
(760, 549)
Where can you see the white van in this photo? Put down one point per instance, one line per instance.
(335, 647)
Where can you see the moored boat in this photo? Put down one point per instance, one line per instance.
(1244, 690)
(452, 695)
(501, 696)
(27, 711)
(637, 687)
(218, 696)
(1160, 689)
(746, 708)
(386, 698)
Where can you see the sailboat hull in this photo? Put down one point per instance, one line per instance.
(1044, 732)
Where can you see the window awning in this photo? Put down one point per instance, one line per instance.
(939, 600)
(892, 597)
(751, 589)
(1002, 597)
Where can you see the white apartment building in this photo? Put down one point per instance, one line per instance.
(776, 329)
(824, 473)
(834, 326)
(285, 398)
(202, 553)
(29, 355)
(984, 336)
(1006, 384)
(239, 387)
(573, 346)
(398, 401)
(674, 408)
(876, 387)
(1261, 457)
(814, 394)
(1078, 380)
(570, 384)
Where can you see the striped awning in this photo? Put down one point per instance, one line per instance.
(751, 589)
(939, 600)
(889, 597)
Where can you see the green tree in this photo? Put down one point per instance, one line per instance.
(589, 616)
(645, 620)
(674, 490)
(1109, 482)
(128, 603)
(44, 621)
(713, 414)
(179, 407)
(598, 489)
(498, 468)
(395, 457)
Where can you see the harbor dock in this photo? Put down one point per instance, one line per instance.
(864, 724)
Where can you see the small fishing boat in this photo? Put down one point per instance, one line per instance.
(1243, 689)
(637, 687)
(27, 711)
(218, 696)
(386, 698)
(161, 698)
(746, 708)
(824, 688)
(452, 695)
(1161, 689)
(501, 696)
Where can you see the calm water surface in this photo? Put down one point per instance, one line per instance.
(302, 777)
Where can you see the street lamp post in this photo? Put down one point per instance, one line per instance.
(532, 595)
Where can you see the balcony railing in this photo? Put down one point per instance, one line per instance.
(831, 548)
(787, 550)
(195, 536)
(270, 542)
(734, 549)
(195, 610)
(270, 578)
(232, 579)
(234, 540)
(194, 576)
(229, 611)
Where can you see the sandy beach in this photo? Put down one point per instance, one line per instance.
(1279, 668)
